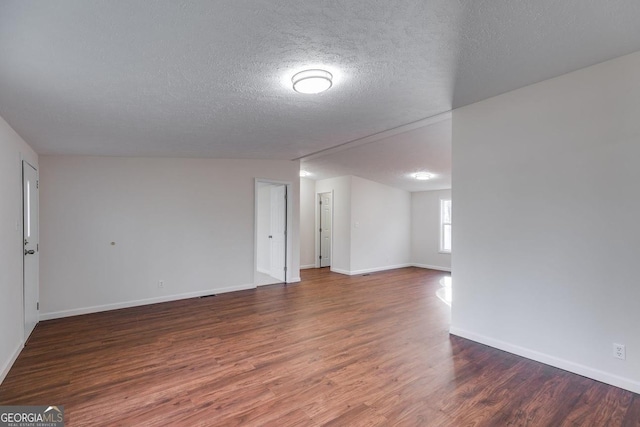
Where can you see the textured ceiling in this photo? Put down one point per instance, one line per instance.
(211, 78)
(393, 159)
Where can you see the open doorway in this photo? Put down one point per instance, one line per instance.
(325, 229)
(271, 225)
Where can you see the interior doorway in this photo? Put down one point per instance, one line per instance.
(271, 232)
(325, 228)
(30, 233)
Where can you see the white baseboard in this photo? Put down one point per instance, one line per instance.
(369, 270)
(127, 304)
(376, 269)
(7, 366)
(294, 280)
(432, 267)
(576, 368)
(263, 271)
(307, 266)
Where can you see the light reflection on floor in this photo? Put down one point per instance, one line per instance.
(444, 293)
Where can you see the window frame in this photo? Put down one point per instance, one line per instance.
(443, 224)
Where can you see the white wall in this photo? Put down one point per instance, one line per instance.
(371, 225)
(12, 150)
(307, 223)
(425, 230)
(546, 238)
(341, 245)
(380, 226)
(189, 222)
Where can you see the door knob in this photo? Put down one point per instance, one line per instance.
(29, 252)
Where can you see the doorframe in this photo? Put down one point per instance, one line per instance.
(289, 216)
(316, 232)
(22, 212)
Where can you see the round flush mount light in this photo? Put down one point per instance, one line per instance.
(422, 176)
(304, 174)
(312, 81)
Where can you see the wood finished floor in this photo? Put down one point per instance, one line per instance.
(332, 350)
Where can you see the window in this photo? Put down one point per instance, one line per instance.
(445, 226)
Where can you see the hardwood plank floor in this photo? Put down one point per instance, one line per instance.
(369, 350)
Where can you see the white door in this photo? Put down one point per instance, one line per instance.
(31, 246)
(278, 234)
(325, 229)
(263, 229)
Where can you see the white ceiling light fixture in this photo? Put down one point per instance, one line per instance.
(422, 176)
(304, 174)
(312, 81)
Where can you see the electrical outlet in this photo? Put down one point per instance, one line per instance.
(160, 284)
(619, 351)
